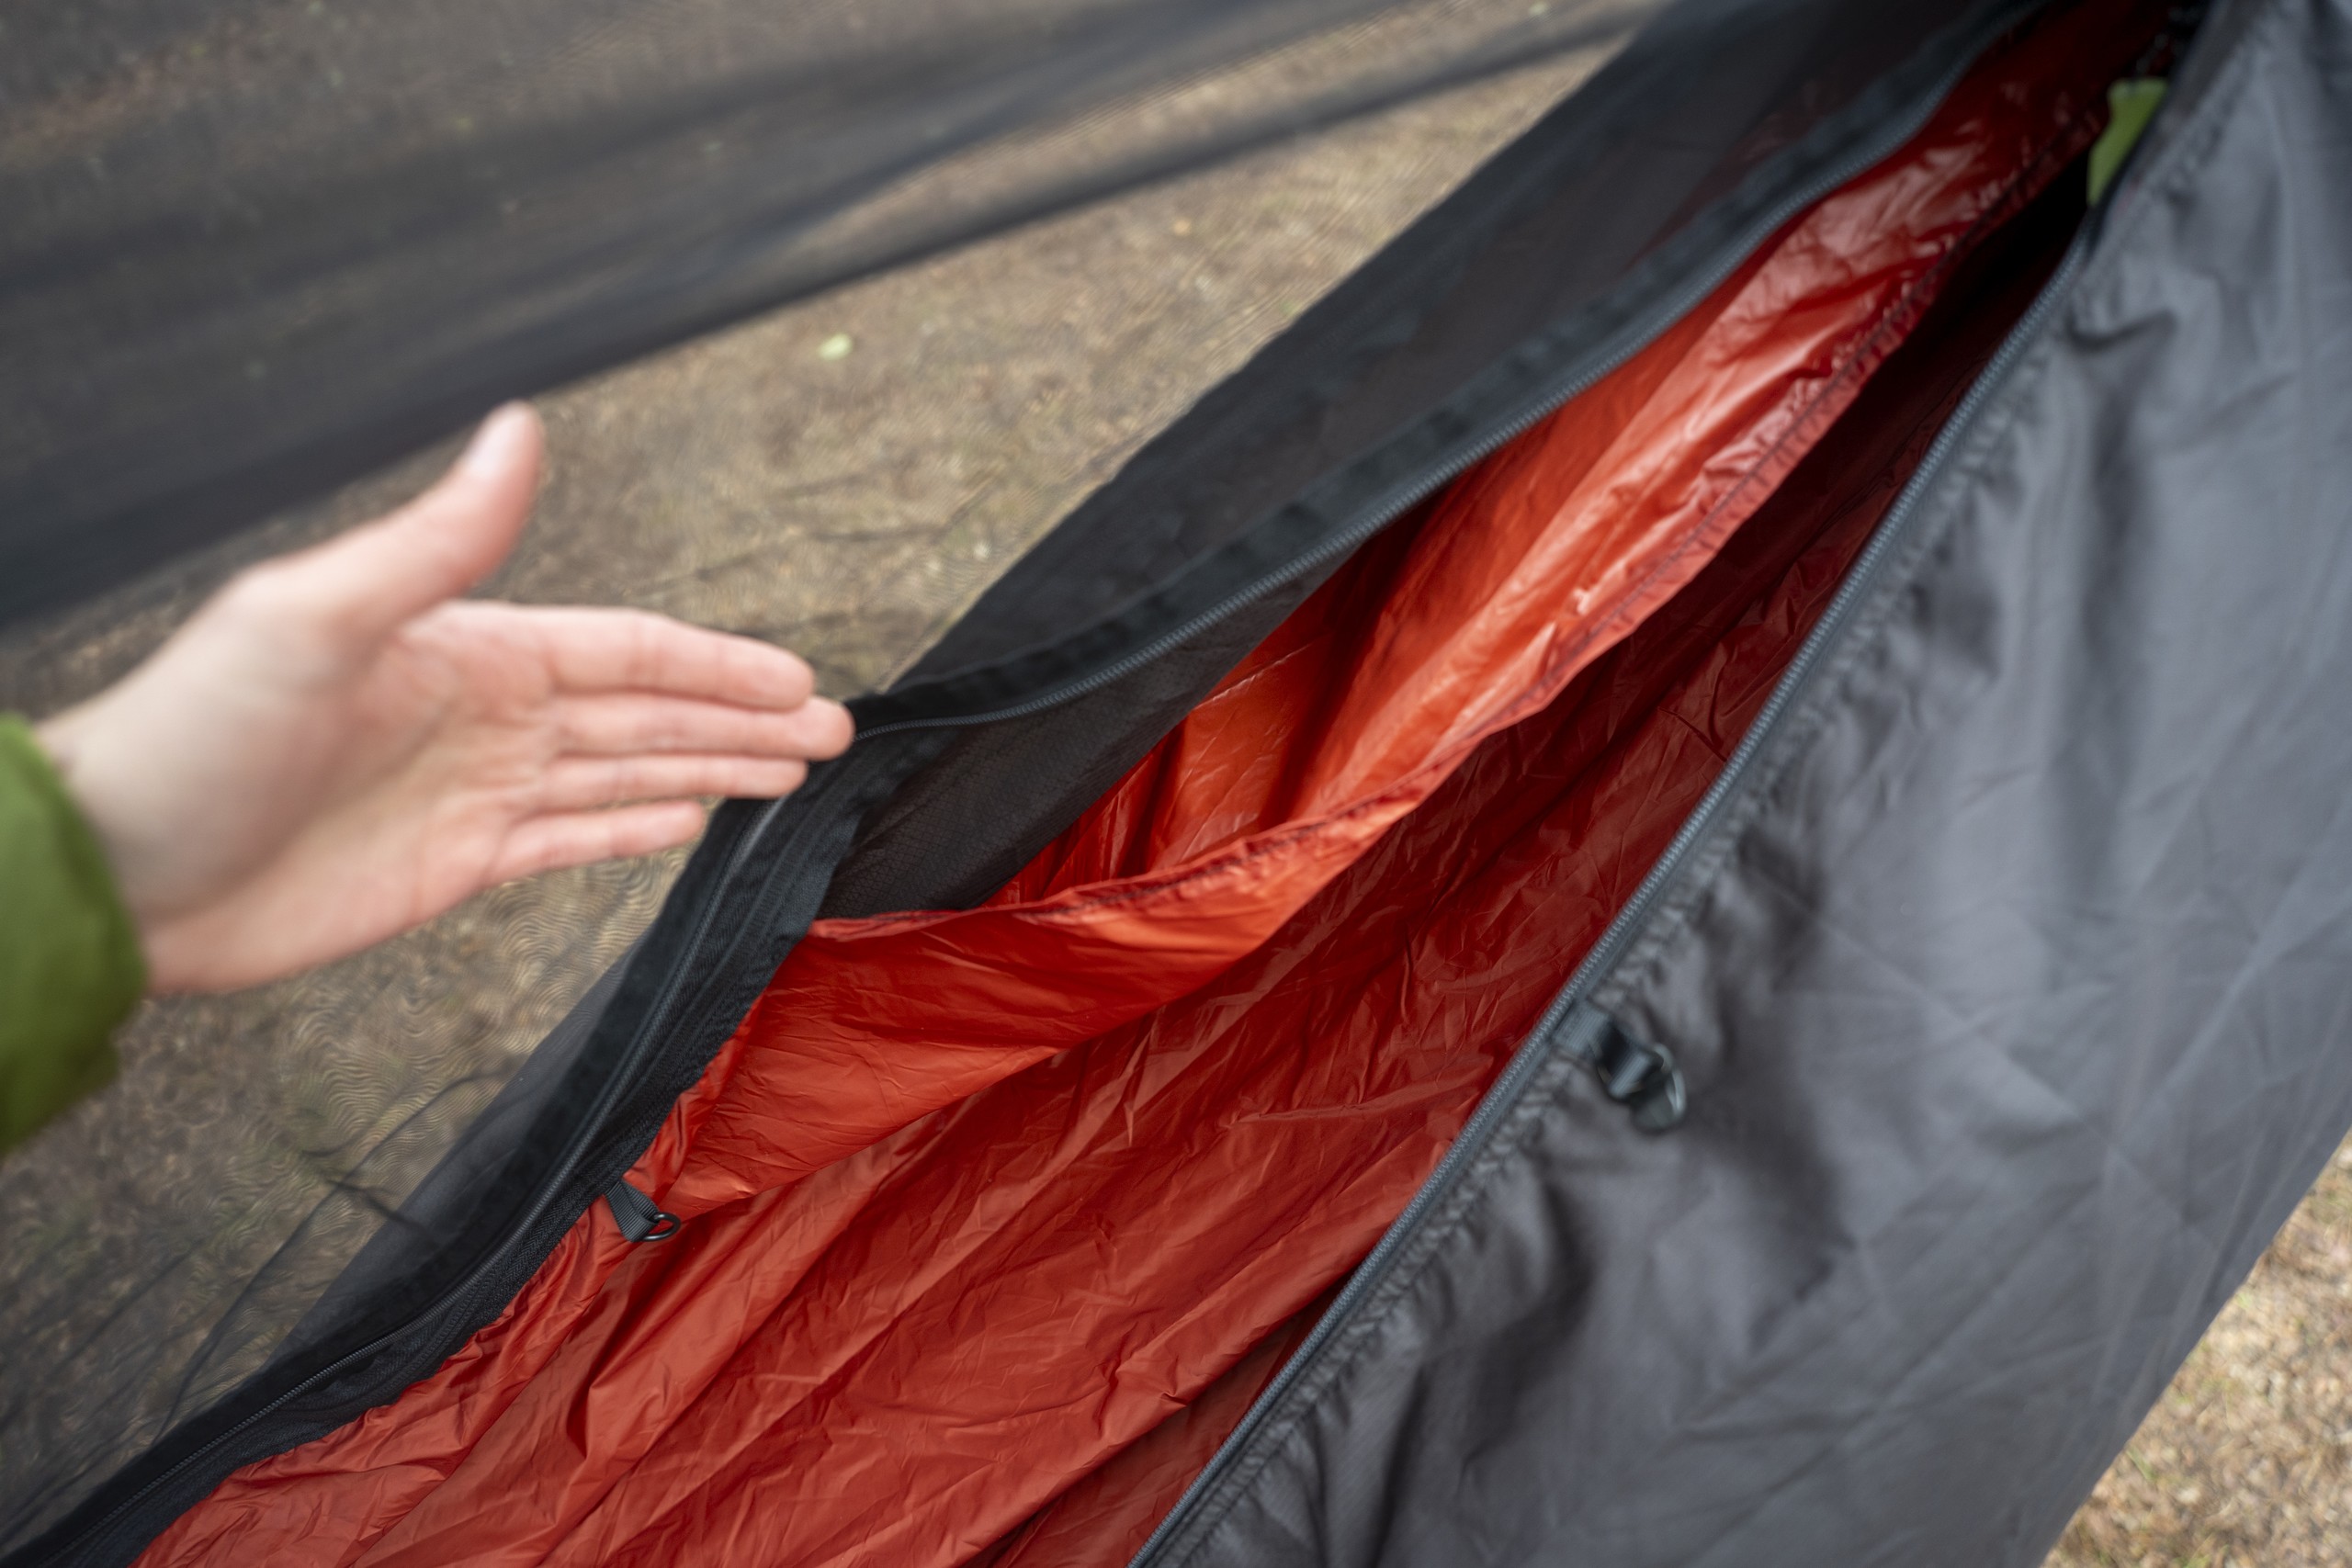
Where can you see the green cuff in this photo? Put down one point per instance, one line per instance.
(69, 967)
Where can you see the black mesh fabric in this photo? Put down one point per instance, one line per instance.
(255, 248)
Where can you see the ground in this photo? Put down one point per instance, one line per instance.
(2246, 1461)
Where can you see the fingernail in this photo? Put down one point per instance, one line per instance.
(492, 447)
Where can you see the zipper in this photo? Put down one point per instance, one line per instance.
(1550, 1039)
(1383, 509)
(468, 1293)
(1553, 1033)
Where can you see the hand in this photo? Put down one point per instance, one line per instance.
(335, 748)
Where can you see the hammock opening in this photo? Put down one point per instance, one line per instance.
(997, 1219)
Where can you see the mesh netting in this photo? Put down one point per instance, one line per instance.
(255, 248)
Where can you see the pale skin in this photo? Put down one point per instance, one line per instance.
(338, 746)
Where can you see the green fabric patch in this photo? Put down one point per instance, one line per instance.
(2131, 104)
(70, 965)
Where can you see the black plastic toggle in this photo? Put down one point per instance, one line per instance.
(1642, 1078)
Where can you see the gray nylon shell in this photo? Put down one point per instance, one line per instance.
(2014, 989)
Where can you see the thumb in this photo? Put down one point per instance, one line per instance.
(380, 574)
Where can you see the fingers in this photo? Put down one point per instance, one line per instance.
(623, 723)
(354, 589)
(583, 818)
(579, 838)
(615, 650)
(579, 783)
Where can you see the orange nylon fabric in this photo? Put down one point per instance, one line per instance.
(1109, 1514)
(975, 1200)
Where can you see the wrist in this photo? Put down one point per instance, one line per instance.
(61, 741)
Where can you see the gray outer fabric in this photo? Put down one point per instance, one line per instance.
(2015, 990)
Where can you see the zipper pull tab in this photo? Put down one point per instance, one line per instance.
(637, 1216)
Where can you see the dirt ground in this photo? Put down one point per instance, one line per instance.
(2246, 1461)
(843, 477)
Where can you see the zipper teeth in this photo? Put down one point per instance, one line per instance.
(1629, 342)
(1536, 1052)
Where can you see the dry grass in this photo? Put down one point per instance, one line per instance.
(2246, 1461)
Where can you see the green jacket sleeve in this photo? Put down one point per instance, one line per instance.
(70, 968)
